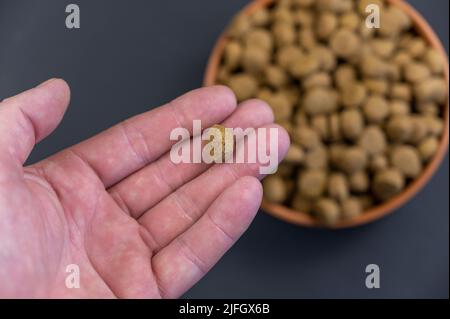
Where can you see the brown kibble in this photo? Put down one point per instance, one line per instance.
(388, 183)
(353, 159)
(326, 24)
(353, 95)
(435, 125)
(416, 72)
(399, 107)
(243, 85)
(275, 189)
(393, 21)
(383, 47)
(320, 124)
(401, 91)
(336, 151)
(366, 201)
(282, 15)
(295, 155)
(303, 18)
(312, 183)
(434, 61)
(302, 3)
(344, 75)
(284, 34)
(223, 75)
(373, 66)
(376, 86)
(359, 182)
(376, 109)
(285, 170)
(350, 20)
(362, 5)
(281, 106)
(416, 47)
(428, 148)
(373, 140)
(351, 208)
(337, 6)
(260, 18)
(275, 76)
(344, 43)
(304, 65)
(399, 128)
(327, 211)
(352, 124)
(306, 137)
(306, 38)
(419, 129)
(239, 26)
(259, 38)
(287, 55)
(320, 101)
(338, 186)
(378, 163)
(232, 55)
(317, 158)
(319, 79)
(431, 90)
(335, 127)
(428, 108)
(402, 58)
(302, 204)
(254, 59)
(326, 57)
(407, 160)
(226, 140)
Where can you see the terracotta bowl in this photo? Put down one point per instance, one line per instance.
(295, 217)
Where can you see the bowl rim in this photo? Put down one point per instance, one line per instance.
(292, 216)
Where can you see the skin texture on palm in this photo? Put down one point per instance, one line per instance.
(137, 225)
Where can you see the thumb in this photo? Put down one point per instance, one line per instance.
(29, 117)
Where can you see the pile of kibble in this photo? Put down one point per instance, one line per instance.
(363, 106)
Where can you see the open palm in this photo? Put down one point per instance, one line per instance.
(136, 225)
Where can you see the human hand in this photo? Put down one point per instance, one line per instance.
(137, 225)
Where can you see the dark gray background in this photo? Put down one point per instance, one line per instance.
(132, 55)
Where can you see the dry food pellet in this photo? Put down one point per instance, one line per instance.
(281, 105)
(353, 159)
(295, 154)
(320, 124)
(303, 18)
(319, 79)
(327, 211)
(306, 137)
(259, 38)
(320, 101)
(434, 124)
(359, 182)
(428, 148)
(351, 208)
(344, 75)
(326, 57)
(376, 109)
(388, 183)
(434, 61)
(226, 141)
(284, 34)
(337, 6)
(260, 18)
(287, 55)
(431, 90)
(383, 47)
(275, 189)
(352, 124)
(307, 39)
(254, 59)
(232, 55)
(338, 186)
(419, 129)
(302, 204)
(317, 158)
(416, 72)
(326, 24)
(335, 127)
(244, 86)
(376, 86)
(349, 20)
(353, 95)
(304, 66)
(407, 160)
(399, 107)
(378, 163)
(312, 183)
(373, 140)
(344, 43)
(399, 128)
(275, 76)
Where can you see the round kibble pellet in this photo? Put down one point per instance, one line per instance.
(275, 189)
(388, 183)
(327, 211)
(312, 183)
